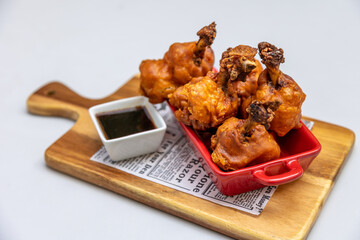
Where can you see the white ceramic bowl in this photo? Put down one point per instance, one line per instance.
(135, 144)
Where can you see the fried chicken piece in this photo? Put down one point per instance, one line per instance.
(246, 90)
(180, 64)
(236, 64)
(156, 80)
(274, 85)
(240, 142)
(244, 84)
(206, 102)
(202, 104)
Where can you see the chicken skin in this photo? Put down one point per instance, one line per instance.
(182, 62)
(273, 85)
(206, 102)
(240, 142)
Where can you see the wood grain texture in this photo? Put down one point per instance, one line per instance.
(289, 214)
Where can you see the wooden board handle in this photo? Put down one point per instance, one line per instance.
(56, 99)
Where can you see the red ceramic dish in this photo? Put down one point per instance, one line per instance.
(298, 148)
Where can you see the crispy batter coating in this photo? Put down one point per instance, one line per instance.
(236, 63)
(275, 85)
(240, 142)
(243, 79)
(180, 58)
(181, 62)
(208, 101)
(202, 104)
(246, 90)
(156, 81)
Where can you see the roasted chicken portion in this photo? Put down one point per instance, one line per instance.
(273, 85)
(206, 102)
(182, 62)
(240, 142)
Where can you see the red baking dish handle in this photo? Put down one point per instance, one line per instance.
(295, 171)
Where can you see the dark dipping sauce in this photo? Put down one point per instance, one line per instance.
(124, 122)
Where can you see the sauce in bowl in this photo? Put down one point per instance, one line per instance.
(124, 122)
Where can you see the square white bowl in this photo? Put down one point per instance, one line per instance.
(135, 144)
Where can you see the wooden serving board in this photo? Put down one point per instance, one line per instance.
(290, 213)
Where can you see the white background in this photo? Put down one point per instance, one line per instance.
(96, 46)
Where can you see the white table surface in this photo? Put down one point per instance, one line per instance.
(96, 46)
